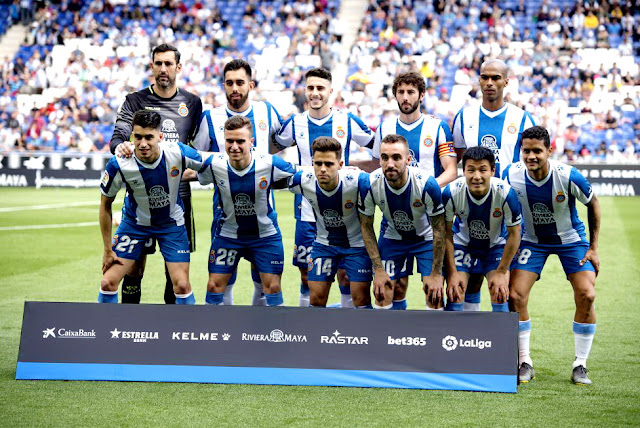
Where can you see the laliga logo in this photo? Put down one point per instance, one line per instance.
(449, 343)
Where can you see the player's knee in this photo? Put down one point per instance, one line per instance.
(181, 286)
(108, 284)
(518, 298)
(585, 296)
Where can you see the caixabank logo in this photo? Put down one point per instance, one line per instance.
(68, 333)
(451, 343)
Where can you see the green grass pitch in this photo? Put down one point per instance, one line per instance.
(63, 264)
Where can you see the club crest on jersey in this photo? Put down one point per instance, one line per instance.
(428, 142)
(183, 110)
(263, 183)
(349, 204)
(174, 171)
(262, 125)
(340, 132)
(417, 203)
(560, 197)
(497, 213)
(511, 129)
(105, 178)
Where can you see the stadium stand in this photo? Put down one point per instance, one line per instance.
(574, 66)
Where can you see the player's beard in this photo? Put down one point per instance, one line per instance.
(237, 103)
(412, 107)
(165, 82)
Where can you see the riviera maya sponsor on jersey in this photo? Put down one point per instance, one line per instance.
(158, 198)
(243, 205)
(478, 230)
(332, 218)
(542, 214)
(401, 221)
(169, 131)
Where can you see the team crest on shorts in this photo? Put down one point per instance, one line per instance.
(560, 197)
(263, 183)
(262, 125)
(340, 132)
(417, 203)
(183, 110)
(174, 171)
(497, 213)
(511, 129)
(428, 142)
(349, 204)
(310, 263)
(114, 241)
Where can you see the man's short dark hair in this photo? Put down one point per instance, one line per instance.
(538, 133)
(327, 144)
(238, 122)
(165, 48)
(395, 138)
(479, 153)
(147, 119)
(237, 64)
(320, 72)
(411, 78)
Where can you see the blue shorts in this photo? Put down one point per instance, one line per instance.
(325, 262)
(130, 240)
(266, 253)
(532, 257)
(485, 263)
(397, 257)
(303, 244)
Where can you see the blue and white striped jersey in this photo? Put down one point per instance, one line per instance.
(152, 196)
(302, 130)
(336, 213)
(263, 116)
(407, 210)
(429, 139)
(481, 224)
(549, 206)
(500, 131)
(245, 196)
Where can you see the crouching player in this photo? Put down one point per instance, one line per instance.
(332, 192)
(412, 226)
(548, 191)
(486, 233)
(248, 226)
(152, 208)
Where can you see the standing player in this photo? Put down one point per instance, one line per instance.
(486, 233)
(332, 193)
(180, 111)
(302, 129)
(494, 124)
(209, 136)
(429, 138)
(548, 190)
(152, 208)
(248, 225)
(413, 226)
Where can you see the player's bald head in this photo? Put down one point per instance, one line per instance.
(495, 64)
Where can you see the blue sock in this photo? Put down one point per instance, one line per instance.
(500, 307)
(108, 297)
(274, 299)
(454, 307)
(345, 289)
(185, 299)
(304, 289)
(399, 305)
(472, 297)
(214, 298)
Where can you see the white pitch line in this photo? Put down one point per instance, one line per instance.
(48, 206)
(49, 226)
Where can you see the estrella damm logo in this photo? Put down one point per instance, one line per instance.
(511, 129)
(349, 204)
(262, 125)
(174, 171)
(340, 133)
(428, 142)
(497, 213)
(263, 183)
(560, 197)
(183, 110)
(417, 203)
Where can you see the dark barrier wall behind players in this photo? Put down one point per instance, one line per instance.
(475, 351)
(64, 170)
